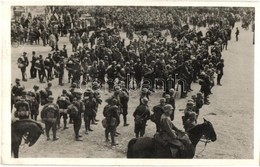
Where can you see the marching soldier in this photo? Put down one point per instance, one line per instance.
(50, 116)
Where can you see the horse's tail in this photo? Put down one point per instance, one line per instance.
(129, 148)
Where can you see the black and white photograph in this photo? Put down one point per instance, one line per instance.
(131, 82)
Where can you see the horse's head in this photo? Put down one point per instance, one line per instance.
(31, 130)
(34, 135)
(209, 131)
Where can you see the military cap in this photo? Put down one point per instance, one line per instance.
(192, 115)
(77, 92)
(50, 98)
(145, 90)
(167, 107)
(24, 92)
(49, 84)
(17, 80)
(167, 96)
(144, 100)
(162, 100)
(35, 87)
(172, 90)
(199, 94)
(190, 103)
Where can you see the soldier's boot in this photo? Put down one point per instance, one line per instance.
(113, 143)
(65, 125)
(48, 136)
(86, 128)
(54, 136)
(77, 138)
(93, 121)
(107, 139)
(125, 121)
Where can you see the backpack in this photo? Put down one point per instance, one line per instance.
(44, 96)
(51, 113)
(73, 110)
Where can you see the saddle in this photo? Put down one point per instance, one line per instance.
(176, 146)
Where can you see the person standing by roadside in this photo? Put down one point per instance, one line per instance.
(237, 33)
(220, 72)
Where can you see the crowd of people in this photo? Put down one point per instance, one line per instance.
(146, 63)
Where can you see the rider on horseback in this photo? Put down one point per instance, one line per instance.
(170, 133)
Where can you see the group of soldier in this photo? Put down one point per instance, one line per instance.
(106, 59)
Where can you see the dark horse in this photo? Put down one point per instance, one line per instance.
(27, 129)
(147, 147)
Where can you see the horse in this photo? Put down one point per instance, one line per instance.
(27, 129)
(147, 147)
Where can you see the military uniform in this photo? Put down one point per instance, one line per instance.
(50, 115)
(22, 109)
(79, 106)
(110, 112)
(23, 62)
(141, 115)
(63, 103)
(90, 111)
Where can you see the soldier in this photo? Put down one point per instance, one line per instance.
(96, 90)
(112, 120)
(63, 103)
(48, 64)
(33, 71)
(141, 115)
(76, 73)
(144, 94)
(124, 99)
(34, 105)
(17, 89)
(39, 65)
(64, 52)
(69, 67)
(220, 72)
(171, 101)
(237, 33)
(75, 110)
(90, 109)
(23, 62)
(189, 108)
(169, 131)
(22, 107)
(50, 116)
(198, 103)
(45, 93)
(191, 122)
(60, 69)
(157, 113)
